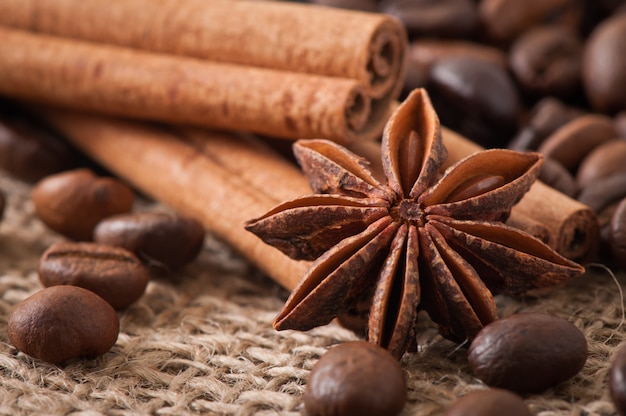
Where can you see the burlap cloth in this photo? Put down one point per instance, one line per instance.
(201, 342)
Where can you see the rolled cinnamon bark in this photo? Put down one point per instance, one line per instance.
(138, 84)
(281, 35)
(162, 166)
(573, 226)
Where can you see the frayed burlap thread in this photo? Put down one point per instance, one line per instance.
(200, 342)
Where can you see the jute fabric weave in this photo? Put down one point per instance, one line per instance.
(200, 341)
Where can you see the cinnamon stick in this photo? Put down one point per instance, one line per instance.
(169, 170)
(132, 83)
(367, 47)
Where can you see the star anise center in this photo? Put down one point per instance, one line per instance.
(408, 211)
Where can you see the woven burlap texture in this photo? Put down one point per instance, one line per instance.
(200, 341)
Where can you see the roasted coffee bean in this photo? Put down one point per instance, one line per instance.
(113, 273)
(547, 115)
(362, 5)
(605, 160)
(355, 378)
(547, 61)
(489, 402)
(434, 18)
(29, 150)
(527, 352)
(73, 202)
(2, 203)
(424, 53)
(163, 237)
(604, 65)
(555, 175)
(504, 20)
(475, 98)
(617, 380)
(601, 193)
(617, 239)
(60, 323)
(571, 143)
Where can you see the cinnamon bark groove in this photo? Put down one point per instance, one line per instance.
(138, 84)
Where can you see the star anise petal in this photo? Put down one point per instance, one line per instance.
(304, 228)
(333, 169)
(393, 312)
(414, 150)
(509, 259)
(483, 186)
(335, 279)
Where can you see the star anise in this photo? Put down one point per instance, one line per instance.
(423, 240)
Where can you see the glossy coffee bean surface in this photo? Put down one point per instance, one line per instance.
(60, 323)
(355, 378)
(489, 402)
(617, 234)
(617, 380)
(73, 202)
(166, 238)
(113, 273)
(527, 352)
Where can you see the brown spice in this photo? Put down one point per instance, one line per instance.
(419, 241)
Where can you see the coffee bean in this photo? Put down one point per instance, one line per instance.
(620, 124)
(617, 237)
(29, 150)
(434, 18)
(547, 61)
(605, 160)
(475, 98)
(73, 202)
(356, 378)
(159, 236)
(504, 20)
(547, 115)
(604, 65)
(617, 380)
(489, 402)
(2, 203)
(555, 175)
(60, 323)
(601, 193)
(571, 143)
(527, 352)
(113, 273)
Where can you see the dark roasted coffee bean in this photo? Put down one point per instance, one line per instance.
(434, 18)
(572, 142)
(60, 323)
(604, 65)
(475, 98)
(2, 203)
(527, 352)
(163, 237)
(356, 378)
(546, 117)
(362, 5)
(555, 175)
(601, 193)
(617, 242)
(73, 202)
(424, 53)
(113, 273)
(489, 402)
(29, 150)
(547, 61)
(504, 20)
(617, 380)
(605, 160)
